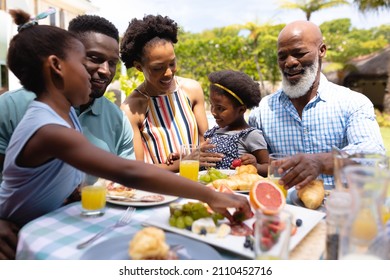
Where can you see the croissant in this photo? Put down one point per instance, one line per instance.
(238, 182)
(313, 194)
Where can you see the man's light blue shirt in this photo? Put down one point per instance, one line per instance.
(337, 116)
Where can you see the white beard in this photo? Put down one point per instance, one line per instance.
(304, 84)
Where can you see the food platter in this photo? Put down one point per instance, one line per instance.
(225, 171)
(310, 219)
(228, 172)
(136, 200)
(117, 249)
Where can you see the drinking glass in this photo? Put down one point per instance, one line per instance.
(189, 161)
(364, 236)
(273, 173)
(272, 235)
(93, 200)
(341, 159)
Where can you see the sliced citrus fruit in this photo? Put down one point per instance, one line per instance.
(267, 197)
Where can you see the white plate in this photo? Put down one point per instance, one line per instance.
(117, 249)
(139, 193)
(310, 219)
(225, 171)
(228, 172)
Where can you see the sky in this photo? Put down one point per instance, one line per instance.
(198, 15)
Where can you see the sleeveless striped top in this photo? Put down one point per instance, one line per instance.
(169, 123)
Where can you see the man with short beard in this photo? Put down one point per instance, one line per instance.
(310, 115)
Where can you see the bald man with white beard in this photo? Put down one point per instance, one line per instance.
(309, 115)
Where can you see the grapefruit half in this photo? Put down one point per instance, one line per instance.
(267, 197)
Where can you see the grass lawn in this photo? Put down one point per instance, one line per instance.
(385, 131)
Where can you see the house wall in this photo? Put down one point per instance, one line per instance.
(374, 89)
(66, 11)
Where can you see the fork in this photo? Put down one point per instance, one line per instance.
(123, 221)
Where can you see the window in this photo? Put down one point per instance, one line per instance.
(62, 19)
(53, 19)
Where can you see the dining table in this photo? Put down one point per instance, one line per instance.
(55, 236)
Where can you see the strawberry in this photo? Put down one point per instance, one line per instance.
(266, 243)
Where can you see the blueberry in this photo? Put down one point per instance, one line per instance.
(203, 231)
(189, 228)
(298, 222)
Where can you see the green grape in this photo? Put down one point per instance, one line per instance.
(196, 215)
(205, 178)
(177, 213)
(188, 221)
(224, 176)
(218, 216)
(172, 221)
(204, 213)
(180, 222)
(214, 177)
(186, 207)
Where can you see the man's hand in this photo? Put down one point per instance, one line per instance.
(301, 169)
(8, 240)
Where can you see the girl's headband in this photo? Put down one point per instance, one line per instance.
(229, 91)
(34, 20)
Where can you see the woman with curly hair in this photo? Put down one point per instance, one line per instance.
(166, 111)
(231, 94)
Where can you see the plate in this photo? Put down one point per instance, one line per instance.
(139, 193)
(225, 171)
(228, 172)
(298, 202)
(310, 219)
(117, 249)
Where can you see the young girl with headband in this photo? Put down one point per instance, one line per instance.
(231, 94)
(47, 154)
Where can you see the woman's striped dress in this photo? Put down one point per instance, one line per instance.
(169, 123)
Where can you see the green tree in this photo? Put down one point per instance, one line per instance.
(372, 5)
(311, 6)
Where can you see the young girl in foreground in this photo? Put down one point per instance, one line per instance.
(47, 151)
(231, 94)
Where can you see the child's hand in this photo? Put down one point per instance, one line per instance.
(171, 158)
(208, 159)
(247, 159)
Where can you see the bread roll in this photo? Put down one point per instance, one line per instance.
(246, 169)
(312, 195)
(149, 244)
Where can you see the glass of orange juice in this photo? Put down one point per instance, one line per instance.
(273, 173)
(189, 161)
(93, 200)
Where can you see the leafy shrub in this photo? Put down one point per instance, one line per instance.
(382, 118)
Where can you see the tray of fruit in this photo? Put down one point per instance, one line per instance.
(194, 219)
